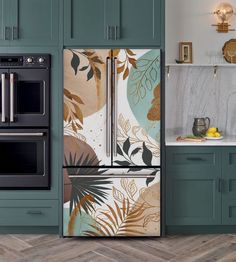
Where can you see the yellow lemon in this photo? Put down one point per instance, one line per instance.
(210, 134)
(217, 134)
(212, 129)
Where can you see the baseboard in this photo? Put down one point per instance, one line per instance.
(195, 230)
(28, 230)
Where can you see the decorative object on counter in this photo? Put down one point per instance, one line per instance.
(213, 133)
(190, 139)
(223, 13)
(186, 52)
(200, 126)
(229, 51)
(179, 61)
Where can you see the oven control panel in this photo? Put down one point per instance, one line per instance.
(25, 61)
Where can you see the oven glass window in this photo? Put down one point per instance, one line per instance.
(30, 97)
(18, 157)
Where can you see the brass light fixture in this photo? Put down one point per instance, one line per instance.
(224, 12)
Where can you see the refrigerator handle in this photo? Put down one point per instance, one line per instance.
(12, 97)
(3, 97)
(114, 115)
(108, 107)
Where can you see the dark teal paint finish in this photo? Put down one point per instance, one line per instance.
(29, 213)
(192, 191)
(4, 23)
(201, 186)
(190, 230)
(29, 23)
(40, 196)
(127, 22)
(229, 189)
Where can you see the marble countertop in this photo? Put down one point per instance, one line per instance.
(226, 141)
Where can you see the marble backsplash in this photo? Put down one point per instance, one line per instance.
(195, 92)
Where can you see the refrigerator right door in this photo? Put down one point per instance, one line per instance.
(136, 107)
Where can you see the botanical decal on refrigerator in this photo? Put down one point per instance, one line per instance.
(138, 107)
(106, 206)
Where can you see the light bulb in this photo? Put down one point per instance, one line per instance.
(224, 12)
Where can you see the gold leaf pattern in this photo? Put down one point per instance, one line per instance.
(118, 195)
(151, 218)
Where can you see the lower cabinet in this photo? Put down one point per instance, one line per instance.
(200, 186)
(29, 213)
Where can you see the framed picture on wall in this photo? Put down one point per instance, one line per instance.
(186, 52)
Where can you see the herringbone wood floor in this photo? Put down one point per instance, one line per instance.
(49, 248)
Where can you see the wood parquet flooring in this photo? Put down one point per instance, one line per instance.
(51, 248)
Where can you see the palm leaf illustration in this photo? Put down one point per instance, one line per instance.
(94, 186)
(119, 221)
(75, 213)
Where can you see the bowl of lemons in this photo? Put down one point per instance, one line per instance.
(213, 133)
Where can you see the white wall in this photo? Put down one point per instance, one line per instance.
(190, 21)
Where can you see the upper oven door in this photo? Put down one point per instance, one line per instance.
(29, 97)
(24, 158)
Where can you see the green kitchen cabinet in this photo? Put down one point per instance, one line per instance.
(113, 22)
(201, 186)
(4, 23)
(29, 23)
(193, 192)
(229, 189)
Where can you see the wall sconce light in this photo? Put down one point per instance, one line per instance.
(224, 12)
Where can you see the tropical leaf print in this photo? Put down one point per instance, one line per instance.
(72, 110)
(123, 66)
(125, 216)
(135, 135)
(154, 113)
(91, 68)
(94, 186)
(143, 77)
(120, 221)
(76, 210)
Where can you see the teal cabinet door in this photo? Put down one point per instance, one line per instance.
(229, 190)
(5, 30)
(193, 192)
(86, 22)
(34, 22)
(139, 22)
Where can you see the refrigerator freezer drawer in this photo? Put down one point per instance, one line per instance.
(119, 205)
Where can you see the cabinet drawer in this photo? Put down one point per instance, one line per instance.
(28, 213)
(192, 157)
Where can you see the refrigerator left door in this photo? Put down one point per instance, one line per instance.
(87, 107)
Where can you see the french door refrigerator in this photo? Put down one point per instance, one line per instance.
(112, 142)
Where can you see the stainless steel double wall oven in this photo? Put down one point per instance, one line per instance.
(24, 121)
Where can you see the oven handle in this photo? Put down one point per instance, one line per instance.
(21, 134)
(11, 97)
(3, 98)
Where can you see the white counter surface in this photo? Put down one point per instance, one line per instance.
(226, 141)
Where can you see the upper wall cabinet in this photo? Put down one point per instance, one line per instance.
(29, 23)
(113, 22)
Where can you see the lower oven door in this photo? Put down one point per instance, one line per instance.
(24, 159)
